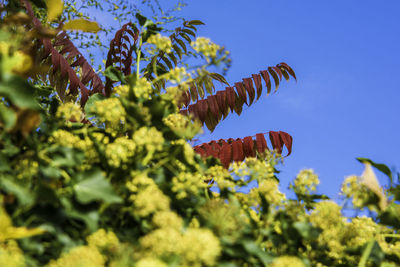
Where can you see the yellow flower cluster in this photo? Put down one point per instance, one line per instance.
(182, 125)
(17, 61)
(353, 188)
(286, 261)
(150, 262)
(305, 182)
(120, 151)
(270, 191)
(165, 219)
(149, 138)
(206, 47)
(187, 184)
(69, 112)
(260, 169)
(221, 176)
(27, 168)
(80, 256)
(142, 88)
(163, 43)
(111, 112)
(199, 247)
(11, 255)
(142, 187)
(67, 139)
(196, 247)
(360, 230)
(103, 241)
(327, 216)
(121, 90)
(177, 75)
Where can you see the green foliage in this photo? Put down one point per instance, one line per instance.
(116, 183)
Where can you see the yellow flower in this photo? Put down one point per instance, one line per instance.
(69, 112)
(187, 184)
(150, 262)
(161, 242)
(142, 187)
(83, 256)
(206, 47)
(120, 151)
(164, 219)
(305, 182)
(286, 261)
(11, 255)
(199, 247)
(103, 240)
(161, 42)
(111, 112)
(142, 88)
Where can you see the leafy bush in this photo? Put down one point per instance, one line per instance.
(113, 181)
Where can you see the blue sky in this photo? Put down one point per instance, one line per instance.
(345, 103)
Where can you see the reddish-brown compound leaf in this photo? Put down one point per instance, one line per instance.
(231, 97)
(287, 140)
(276, 141)
(257, 82)
(289, 69)
(225, 155)
(265, 76)
(275, 77)
(248, 147)
(261, 143)
(241, 92)
(202, 109)
(278, 71)
(213, 105)
(237, 150)
(248, 84)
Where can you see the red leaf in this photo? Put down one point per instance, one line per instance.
(225, 155)
(241, 91)
(287, 140)
(222, 104)
(257, 82)
(230, 97)
(261, 143)
(275, 76)
(277, 70)
(237, 150)
(276, 141)
(265, 76)
(212, 103)
(289, 69)
(202, 109)
(248, 84)
(248, 147)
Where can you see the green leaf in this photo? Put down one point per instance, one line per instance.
(22, 193)
(90, 104)
(196, 22)
(306, 230)
(142, 19)
(189, 32)
(93, 187)
(114, 74)
(381, 167)
(7, 117)
(82, 25)
(54, 9)
(252, 248)
(19, 92)
(391, 215)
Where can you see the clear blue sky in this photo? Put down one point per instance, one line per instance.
(346, 57)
